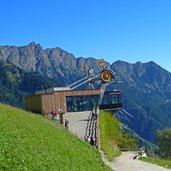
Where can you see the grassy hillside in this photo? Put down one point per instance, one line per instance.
(112, 140)
(30, 142)
(157, 161)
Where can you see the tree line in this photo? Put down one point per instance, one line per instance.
(163, 138)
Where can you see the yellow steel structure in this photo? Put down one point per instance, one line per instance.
(84, 66)
(101, 62)
(106, 76)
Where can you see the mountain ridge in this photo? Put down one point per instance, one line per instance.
(145, 96)
(146, 86)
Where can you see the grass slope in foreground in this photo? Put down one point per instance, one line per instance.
(157, 161)
(30, 142)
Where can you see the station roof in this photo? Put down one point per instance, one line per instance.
(51, 90)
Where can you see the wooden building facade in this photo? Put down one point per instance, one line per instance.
(63, 98)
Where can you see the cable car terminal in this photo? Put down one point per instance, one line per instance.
(71, 99)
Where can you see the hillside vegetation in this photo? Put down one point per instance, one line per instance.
(157, 161)
(146, 95)
(16, 83)
(149, 147)
(31, 142)
(112, 140)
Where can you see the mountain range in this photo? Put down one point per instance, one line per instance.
(146, 87)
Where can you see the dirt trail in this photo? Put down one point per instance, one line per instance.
(125, 162)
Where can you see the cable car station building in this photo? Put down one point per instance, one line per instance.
(68, 99)
(63, 98)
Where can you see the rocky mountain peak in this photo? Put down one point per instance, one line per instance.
(32, 44)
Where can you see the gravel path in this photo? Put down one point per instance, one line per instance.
(78, 123)
(125, 162)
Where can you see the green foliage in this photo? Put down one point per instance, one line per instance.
(111, 137)
(149, 147)
(164, 143)
(157, 161)
(16, 83)
(31, 142)
(31, 82)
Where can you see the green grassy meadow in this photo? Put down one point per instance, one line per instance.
(157, 161)
(112, 140)
(29, 142)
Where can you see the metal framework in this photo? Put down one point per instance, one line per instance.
(103, 78)
(107, 100)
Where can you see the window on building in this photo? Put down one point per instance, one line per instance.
(81, 103)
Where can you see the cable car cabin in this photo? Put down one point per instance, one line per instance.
(111, 101)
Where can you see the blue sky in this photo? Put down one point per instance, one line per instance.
(129, 30)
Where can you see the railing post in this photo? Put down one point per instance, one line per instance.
(61, 118)
(98, 129)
